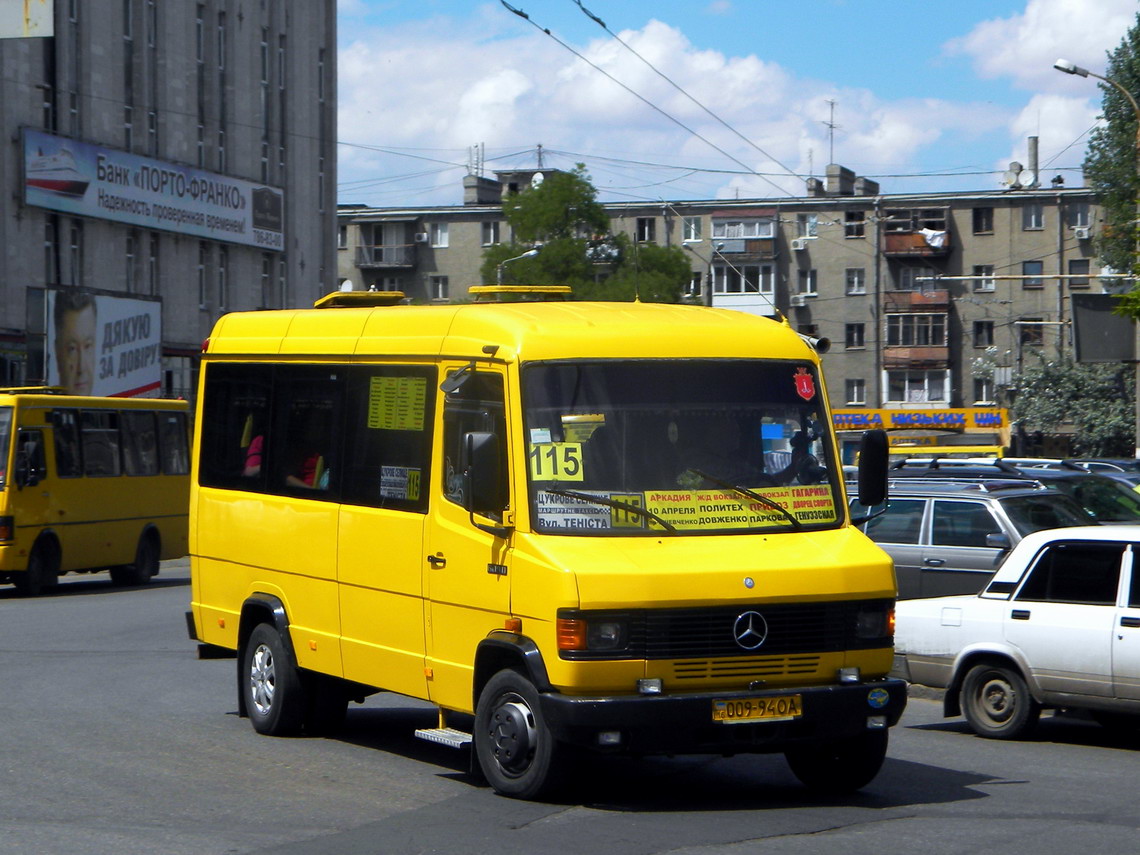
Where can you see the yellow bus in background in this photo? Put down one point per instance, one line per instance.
(615, 527)
(90, 484)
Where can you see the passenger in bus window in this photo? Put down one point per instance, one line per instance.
(309, 472)
(253, 456)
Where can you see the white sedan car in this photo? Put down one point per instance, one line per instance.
(1058, 626)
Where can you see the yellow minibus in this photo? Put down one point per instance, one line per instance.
(90, 484)
(609, 526)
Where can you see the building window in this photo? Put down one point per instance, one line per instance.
(807, 225)
(983, 390)
(75, 252)
(1079, 273)
(807, 282)
(1032, 216)
(916, 330)
(1032, 332)
(51, 248)
(342, 237)
(906, 278)
(437, 285)
(693, 290)
(646, 229)
(1077, 215)
(266, 280)
(730, 229)
(856, 391)
(1032, 270)
(983, 221)
(983, 333)
(916, 387)
(742, 279)
(439, 234)
(691, 229)
(132, 260)
(854, 224)
(491, 233)
(855, 337)
(856, 280)
(223, 278)
(984, 277)
(152, 264)
(203, 262)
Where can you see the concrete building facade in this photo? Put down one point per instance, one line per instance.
(173, 160)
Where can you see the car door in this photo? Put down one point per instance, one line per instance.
(899, 531)
(957, 559)
(1126, 633)
(1061, 618)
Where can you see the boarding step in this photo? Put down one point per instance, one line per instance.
(445, 736)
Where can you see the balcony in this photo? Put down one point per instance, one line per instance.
(933, 300)
(754, 249)
(389, 256)
(916, 357)
(916, 232)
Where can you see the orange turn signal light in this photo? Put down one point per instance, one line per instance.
(571, 634)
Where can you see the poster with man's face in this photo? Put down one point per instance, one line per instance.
(103, 345)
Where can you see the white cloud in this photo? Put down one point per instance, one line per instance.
(1058, 121)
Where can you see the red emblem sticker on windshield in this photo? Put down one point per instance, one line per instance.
(805, 384)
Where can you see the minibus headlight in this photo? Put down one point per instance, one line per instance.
(606, 635)
(877, 621)
(7, 528)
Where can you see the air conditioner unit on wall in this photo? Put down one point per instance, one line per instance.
(1082, 232)
(421, 237)
(799, 244)
(799, 300)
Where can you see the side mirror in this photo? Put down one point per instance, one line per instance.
(485, 492)
(873, 458)
(998, 540)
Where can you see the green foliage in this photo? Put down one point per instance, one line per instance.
(603, 267)
(1111, 166)
(1096, 399)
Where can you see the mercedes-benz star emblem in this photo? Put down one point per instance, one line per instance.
(750, 630)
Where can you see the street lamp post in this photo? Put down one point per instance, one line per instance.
(1068, 67)
(530, 253)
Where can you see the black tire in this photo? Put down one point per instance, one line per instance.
(273, 691)
(513, 744)
(997, 703)
(146, 563)
(42, 571)
(841, 766)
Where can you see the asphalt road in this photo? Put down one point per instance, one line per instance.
(116, 739)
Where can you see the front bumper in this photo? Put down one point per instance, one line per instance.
(683, 724)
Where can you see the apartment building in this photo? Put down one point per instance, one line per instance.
(168, 162)
(928, 300)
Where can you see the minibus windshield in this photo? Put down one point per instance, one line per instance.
(678, 447)
(5, 438)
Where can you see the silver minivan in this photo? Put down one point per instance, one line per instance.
(949, 538)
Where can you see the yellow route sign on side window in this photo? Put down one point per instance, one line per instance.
(397, 403)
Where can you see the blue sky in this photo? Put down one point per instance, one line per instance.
(926, 97)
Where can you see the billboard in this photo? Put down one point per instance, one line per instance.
(90, 180)
(103, 345)
(1098, 334)
(24, 19)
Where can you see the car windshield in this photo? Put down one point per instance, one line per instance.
(681, 447)
(1106, 499)
(1045, 510)
(5, 438)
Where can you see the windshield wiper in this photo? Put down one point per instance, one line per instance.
(621, 506)
(756, 497)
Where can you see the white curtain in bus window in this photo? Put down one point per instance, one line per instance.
(140, 443)
(99, 430)
(172, 438)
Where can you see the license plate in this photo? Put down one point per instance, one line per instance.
(742, 710)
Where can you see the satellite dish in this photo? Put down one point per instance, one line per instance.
(346, 285)
(1009, 178)
(1027, 178)
(537, 179)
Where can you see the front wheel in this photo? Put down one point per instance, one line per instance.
(273, 691)
(514, 746)
(42, 571)
(841, 766)
(997, 703)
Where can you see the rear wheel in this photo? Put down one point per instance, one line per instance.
(514, 746)
(274, 693)
(997, 703)
(145, 566)
(841, 766)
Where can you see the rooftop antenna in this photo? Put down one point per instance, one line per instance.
(540, 155)
(831, 126)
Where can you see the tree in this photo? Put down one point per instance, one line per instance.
(1111, 166)
(563, 217)
(1095, 398)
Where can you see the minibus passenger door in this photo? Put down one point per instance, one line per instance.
(467, 561)
(33, 504)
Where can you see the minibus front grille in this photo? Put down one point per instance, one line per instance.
(758, 668)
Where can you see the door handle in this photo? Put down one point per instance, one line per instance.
(934, 562)
(1130, 621)
(1020, 614)
(437, 561)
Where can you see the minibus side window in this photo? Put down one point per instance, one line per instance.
(388, 436)
(305, 432)
(235, 419)
(31, 465)
(99, 430)
(140, 443)
(175, 450)
(68, 460)
(477, 405)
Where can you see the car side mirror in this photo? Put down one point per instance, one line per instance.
(873, 457)
(998, 540)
